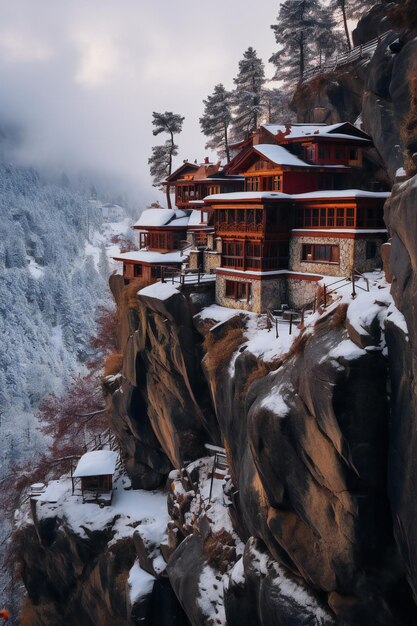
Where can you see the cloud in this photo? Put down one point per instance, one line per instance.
(82, 78)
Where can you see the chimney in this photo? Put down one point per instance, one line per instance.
(206, 160)
(287, 129)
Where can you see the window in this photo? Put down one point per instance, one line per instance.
(340, 154)
(232, 255)
(137, 270)
(353, 154)
(252, 183)
(320, 253)
(238, 290)
(370, 249)
(253, 255)
(271, 183)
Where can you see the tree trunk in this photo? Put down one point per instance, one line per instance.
(226, 143)
(301, 55)
(170, 170)
(343, 7)
(168, 197)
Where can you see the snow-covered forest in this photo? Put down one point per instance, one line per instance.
(53, 275)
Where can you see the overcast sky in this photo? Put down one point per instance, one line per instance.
(83, 76)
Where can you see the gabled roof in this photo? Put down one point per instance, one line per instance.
(279, 155)
(271, 152)
(343, 130)
(183, 169)
(162, 217)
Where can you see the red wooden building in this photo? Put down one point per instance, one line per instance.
(297, 219)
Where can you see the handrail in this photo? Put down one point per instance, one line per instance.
(345, 58)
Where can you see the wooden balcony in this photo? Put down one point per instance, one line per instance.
(239, 227)
(257, 264)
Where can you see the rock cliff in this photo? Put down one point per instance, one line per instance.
(315, 521)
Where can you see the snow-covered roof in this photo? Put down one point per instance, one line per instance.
(147, 256)
(96, 463)
(195, 218)
(161, 291)
(311, 195)
(155, 217)
(249, 195)
(279, 155)
(307, 130)
(341, 193)
(162, 217)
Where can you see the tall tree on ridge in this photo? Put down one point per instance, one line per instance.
(300, 23)
(161, 160)
(342, 6)
(328, 37)
(248, 94)
(216, 120)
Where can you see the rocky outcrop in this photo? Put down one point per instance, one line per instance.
(308, 452)
(162, 413)
(376, 90)
(401, 219)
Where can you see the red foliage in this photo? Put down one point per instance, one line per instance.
(125, 244)
(67, 417)
(105, 340)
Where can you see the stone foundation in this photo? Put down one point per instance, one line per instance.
(301, 292)
(265, 294)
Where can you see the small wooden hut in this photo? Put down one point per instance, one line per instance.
(95, 470)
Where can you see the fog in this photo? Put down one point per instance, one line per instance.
(82, 77)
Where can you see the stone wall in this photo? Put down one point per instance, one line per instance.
(273, 293)
(265, 294)
(211, 260)
(343, 268)
(362, 264)
(193, 260)
(254, 303)
(301, 292)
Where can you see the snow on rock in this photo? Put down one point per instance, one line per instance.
(211, 597)
(161, 291)
(127, 509)
(140, 583)
(275, 402)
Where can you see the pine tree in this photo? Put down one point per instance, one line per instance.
(342, 6)
(161, 160)
(328, 38)
(295, 32)
(277, 105)
(248, 95)
(216, 120)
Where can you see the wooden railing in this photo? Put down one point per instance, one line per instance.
(239, 227)
(357, 53)
(179, 276)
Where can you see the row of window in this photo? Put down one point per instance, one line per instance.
(159, 240)
(256, 256)
(273, 255)
(343, 217)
